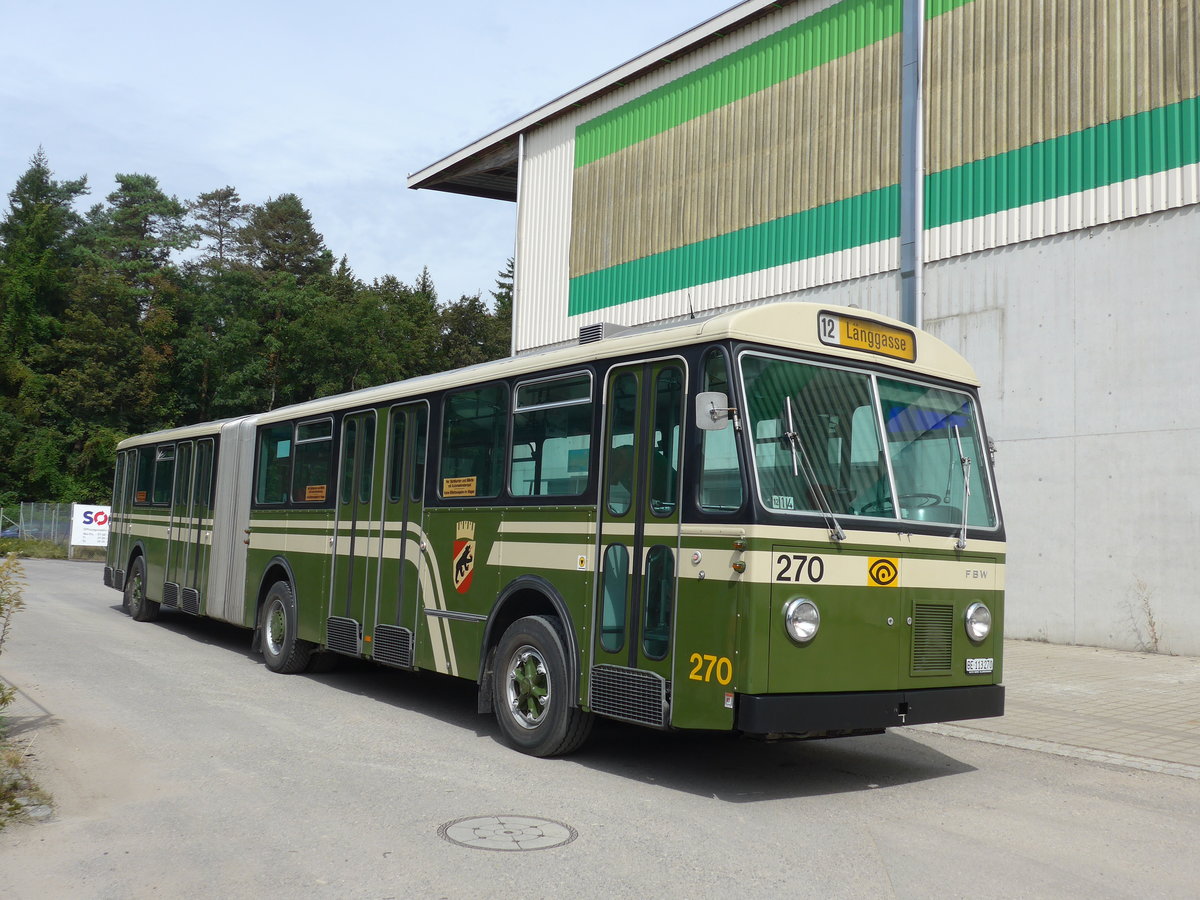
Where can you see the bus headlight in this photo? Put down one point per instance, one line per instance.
(978, 621)
(802, 619)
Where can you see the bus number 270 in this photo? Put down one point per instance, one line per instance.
(798, 567)
(703, 667)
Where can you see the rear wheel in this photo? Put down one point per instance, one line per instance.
(283, 650)
(140, 607)
(529, 687)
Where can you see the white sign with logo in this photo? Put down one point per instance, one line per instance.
(89, 525)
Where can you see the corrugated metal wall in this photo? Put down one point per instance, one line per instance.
(767, 163)
(544, 231)
(782, 151)
(1044, 116)
(544, 239)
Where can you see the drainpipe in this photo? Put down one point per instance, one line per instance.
(912, 163)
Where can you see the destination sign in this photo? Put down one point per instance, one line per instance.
(836, 330)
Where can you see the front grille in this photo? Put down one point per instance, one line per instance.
(191, 601)
(119, 579)
(345, 635)
(933, 638)
(108, 576)
(170, 594)
(629, 694)
(393, 646)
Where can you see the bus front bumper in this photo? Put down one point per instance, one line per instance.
(831, 714)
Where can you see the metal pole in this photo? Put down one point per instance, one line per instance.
(912, 164)
(516, 287)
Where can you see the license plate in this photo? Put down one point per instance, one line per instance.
(980, 666)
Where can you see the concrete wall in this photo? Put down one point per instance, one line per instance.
(1088, 345)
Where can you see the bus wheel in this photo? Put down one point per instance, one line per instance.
(530, 690)
(283, 651)
(140, 607)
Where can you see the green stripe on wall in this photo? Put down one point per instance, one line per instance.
(865, 219)
(834, 32)
(935, 8)
(1142, 144)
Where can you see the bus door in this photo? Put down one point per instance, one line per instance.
(403, 508)
(639, 540)
(120, 523)
(179, 525)
(353, 586)
(191, 525)
(199, 538)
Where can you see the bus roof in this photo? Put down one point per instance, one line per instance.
(784, 324)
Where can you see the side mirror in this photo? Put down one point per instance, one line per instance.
(713, 411)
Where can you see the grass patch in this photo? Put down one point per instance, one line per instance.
(19, 794)
(32, 548)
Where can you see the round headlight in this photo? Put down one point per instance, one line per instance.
(802, 619)
(978, 622)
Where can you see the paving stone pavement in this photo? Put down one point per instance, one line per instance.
(1113, 706)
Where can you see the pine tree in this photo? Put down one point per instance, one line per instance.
(279, 237)
(219, 215)
(502, 309)
(137, 233)
(36, 240)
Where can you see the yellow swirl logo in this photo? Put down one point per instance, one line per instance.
(883, 572)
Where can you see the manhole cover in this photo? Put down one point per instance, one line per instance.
(507, 833)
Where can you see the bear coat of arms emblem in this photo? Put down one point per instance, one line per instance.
(464, 556)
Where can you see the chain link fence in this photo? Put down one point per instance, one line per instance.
(38, 522)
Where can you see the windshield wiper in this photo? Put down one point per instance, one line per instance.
(795, 443)
(965, 462)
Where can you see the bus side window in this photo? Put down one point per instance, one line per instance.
(552, 437)
(474, 441)
(720, 473)
(664, 453)
(418, 468)
(274, 464)
(145, 475)
(164, 474)
(314, 461)
(620, 465)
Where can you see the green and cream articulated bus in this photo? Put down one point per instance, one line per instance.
(780, 521)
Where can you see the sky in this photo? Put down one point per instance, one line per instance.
(335, 102)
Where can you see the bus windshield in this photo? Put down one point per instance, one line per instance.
(864, 445)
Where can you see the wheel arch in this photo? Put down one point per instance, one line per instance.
(138, 550)
(277, 569)
(527, 595)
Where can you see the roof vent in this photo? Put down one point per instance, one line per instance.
(589, 334)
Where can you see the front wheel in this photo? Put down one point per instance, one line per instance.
(283, 650)
(529, 687)
(141, 608)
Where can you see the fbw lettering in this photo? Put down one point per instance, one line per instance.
(100, 517)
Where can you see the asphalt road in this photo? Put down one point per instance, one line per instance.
(182, 767)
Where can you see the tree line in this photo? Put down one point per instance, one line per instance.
(146, 312)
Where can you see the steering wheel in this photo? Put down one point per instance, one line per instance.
(909, 500)
(926, 500)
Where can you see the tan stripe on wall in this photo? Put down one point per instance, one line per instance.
(1004, 74)
(827, 134)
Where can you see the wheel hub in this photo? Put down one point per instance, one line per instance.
(274, 630)
(528, 687)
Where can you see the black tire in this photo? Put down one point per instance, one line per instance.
(140, 607)
(529, 690)
(283, 650)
